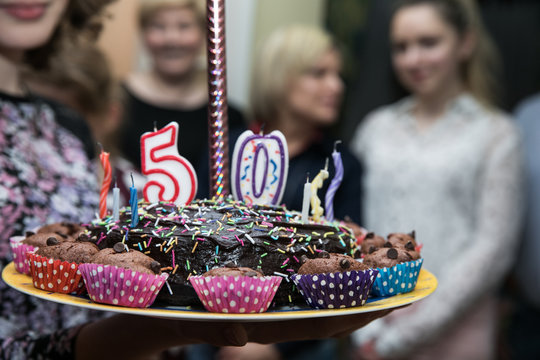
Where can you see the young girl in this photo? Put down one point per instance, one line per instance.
(446, 163)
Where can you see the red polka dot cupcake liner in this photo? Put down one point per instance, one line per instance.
(335, 290)
(18, 251)
(112, 285)
(397, 279)
(55, 275)
(238, 294)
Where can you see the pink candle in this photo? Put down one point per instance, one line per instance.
(106, 184)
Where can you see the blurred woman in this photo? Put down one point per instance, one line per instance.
(447, 163)
(175, 87)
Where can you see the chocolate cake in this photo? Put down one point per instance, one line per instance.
(330, 263)
(207, 234)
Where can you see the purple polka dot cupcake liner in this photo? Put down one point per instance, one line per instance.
(55, 275)
(397, 279)
(336, 290)
(18, 251)
(112, 285)
(238, 294)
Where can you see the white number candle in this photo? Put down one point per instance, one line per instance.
(171, 177)
(316, 209)
(260, 165)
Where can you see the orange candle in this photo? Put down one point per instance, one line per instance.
(107, 178)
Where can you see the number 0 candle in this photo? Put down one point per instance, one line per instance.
(106, 184)
(259, 168)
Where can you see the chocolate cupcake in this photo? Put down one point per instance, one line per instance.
(371, 243)
(54, 267)
(398, 267)
(334, 281)
(120, 277)
(232, 289)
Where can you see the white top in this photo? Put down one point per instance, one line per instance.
(458, 184)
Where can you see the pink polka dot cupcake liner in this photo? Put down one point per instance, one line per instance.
(55, 275)
(335, 290)
(238, 294)
(112, 285)
(18, 251)
(397, 279)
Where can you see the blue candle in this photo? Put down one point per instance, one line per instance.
(133, 204)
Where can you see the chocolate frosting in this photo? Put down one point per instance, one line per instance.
(207, 234)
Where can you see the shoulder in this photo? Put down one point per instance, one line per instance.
(528, 110)
(73, 122)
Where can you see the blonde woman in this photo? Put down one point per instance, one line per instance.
(174, 88)
(447, 163)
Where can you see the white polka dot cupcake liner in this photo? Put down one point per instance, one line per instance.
(335, 290)
(238, 294)
(112, 285)
(18, 251)
(55, 275)
(398, 279)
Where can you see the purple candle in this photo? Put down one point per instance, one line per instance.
(334, 185)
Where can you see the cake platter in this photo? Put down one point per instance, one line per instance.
(427, 283)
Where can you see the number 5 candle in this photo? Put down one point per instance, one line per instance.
(171, 177)
(260, 165)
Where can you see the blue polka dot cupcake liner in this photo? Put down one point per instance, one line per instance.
(398, 279)
(112, 285)
(336, 290)
(236, 294)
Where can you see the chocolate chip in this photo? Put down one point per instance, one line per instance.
(83, 237)
(409, 246)
(61, 234)
(52, 241)
(29, 233)
(251, 273)
(392, 253)
(413, 234)
(324, 255)
(154, 266)
(303, 259)
(345, 264)
(370, 235)
(230, 264)
(119, 247)
(388, 244)
(372, 249)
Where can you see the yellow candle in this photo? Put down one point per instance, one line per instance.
(316, 209)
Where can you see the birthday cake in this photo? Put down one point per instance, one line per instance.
(204, 235)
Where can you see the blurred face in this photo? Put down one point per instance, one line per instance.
(26, 24)
(426, 51)
(315, 95)
(174, 40)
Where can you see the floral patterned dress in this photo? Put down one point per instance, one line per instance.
(45, 177)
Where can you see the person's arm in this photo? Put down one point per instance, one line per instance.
(137, 337)
(482, 265)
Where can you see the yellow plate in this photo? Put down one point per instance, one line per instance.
(427, 283)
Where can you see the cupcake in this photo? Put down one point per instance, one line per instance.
(398, 267)
(32, 240)
(371, 243)
(117, 276)
(54, 267)
(334, 281)
(232, 289)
